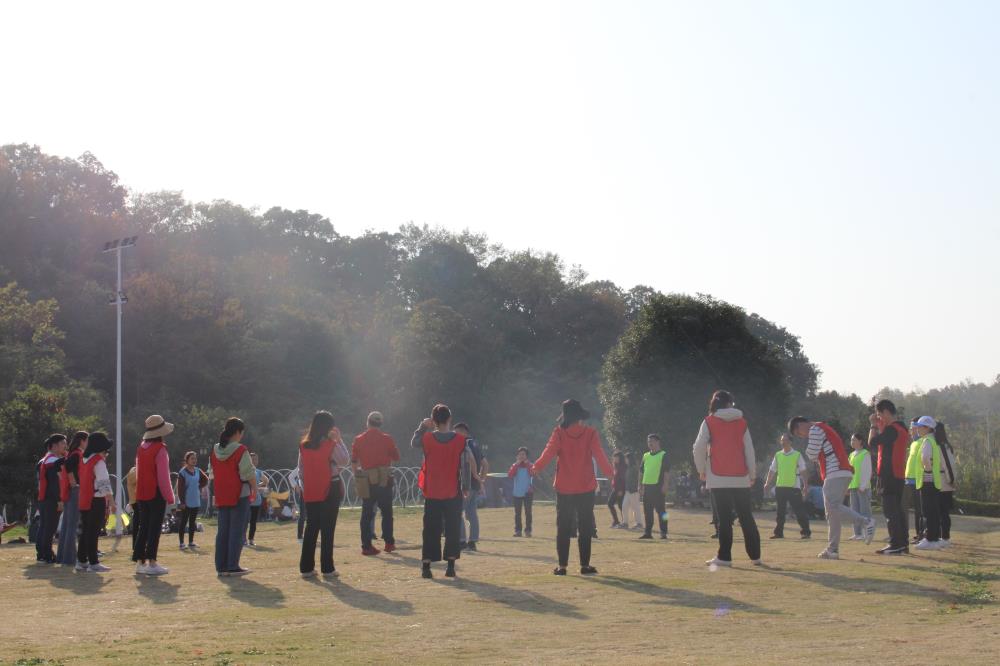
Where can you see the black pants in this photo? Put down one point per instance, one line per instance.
(189, 517)
(793, 496)
(321, 521)
(525, 503)
(615, 499)
(653, 507)
(48, 518)
(91, 522)
(947, 504)
(147, 541)
(443, 514)
(252, 525)
(730, 501)
(135, 523)
(380, 496)
(893, 493)
(911, 500)
(930, 509)
(574, 511)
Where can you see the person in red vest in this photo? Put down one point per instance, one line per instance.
(154, 492)
(322, 456)
(725, 459)
(69, 488)
(96, 502)
(372, 455)
(575, 447)
(446, 475)
(234, 483)
(828, 450)
(892, 439)
(49, 504)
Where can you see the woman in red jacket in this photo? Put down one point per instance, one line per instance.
(575, 446)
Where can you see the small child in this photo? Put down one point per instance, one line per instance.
(520, 471)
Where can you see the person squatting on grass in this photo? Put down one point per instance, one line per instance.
(827, 449)
(575, 447)
(522, 491)
(153, 492)
(445, 480)
(372, 455)
(322, 455)
(725, 459)
(787, 475)
(889, 436)
(69, 490)
(233, 479)
(96, 502)
(653, 491)
(190, 481)
(860, 488)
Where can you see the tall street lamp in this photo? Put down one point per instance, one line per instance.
(118, 300)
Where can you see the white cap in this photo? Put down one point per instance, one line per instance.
(927, 422)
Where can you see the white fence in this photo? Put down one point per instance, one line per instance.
(405, 489)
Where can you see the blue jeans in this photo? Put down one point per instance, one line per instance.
(66, 553)
(229, 537)
(471, 510)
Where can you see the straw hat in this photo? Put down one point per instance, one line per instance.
(156, 426)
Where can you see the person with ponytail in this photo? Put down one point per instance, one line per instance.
(190, 481)
(234, 484)
(154, 492)
(69, 489)
(724, 456)
(96, 502)
(322, 456)
(947, 493)
(575, 447)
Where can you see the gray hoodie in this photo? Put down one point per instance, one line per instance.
(701, 454)
(248, 473)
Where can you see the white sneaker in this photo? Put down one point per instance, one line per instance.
(856, 537)
(869, 531)
(924, 544)
(141, 569)
(81, 567)
(183, 547)
(944, 543)
(156, 570)
(716, 562)
(829, 555)
(757, 563)
(99, 568)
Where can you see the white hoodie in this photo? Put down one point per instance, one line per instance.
(701, 454)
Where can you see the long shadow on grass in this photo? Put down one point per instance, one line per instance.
(521, 600)
(364, 599)
(251, 592)
(842, 583)
(66, 579)
(679, 597)
(158, 590)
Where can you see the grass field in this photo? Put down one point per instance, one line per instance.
(653, 602)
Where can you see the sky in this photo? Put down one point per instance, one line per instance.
(831, 166)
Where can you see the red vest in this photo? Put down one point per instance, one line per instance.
(64, 485)
(727, 456)
(145, 471)
(86, 475)
(440, 468)
(900, 450)
(843, 460)
(44, 465)
(226, 477)
(316, 472)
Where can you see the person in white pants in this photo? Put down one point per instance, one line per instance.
(632, 505)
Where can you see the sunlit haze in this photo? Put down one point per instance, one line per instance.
(833, 167)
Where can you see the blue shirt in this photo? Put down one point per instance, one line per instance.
(260, 498)
(522, 482)
(192, 489)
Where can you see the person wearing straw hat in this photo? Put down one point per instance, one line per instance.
(153, 491)
(96, 502)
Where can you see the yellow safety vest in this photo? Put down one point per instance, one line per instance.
(652, 463)
(857, 459)
(935, 462)
(788, 468)
(914, 469)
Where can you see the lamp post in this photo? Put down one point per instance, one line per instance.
(118, 300)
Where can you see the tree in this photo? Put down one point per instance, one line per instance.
(661, 374)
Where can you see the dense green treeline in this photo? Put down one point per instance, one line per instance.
(271, 315)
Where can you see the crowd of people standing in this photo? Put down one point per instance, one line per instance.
(914, 468)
